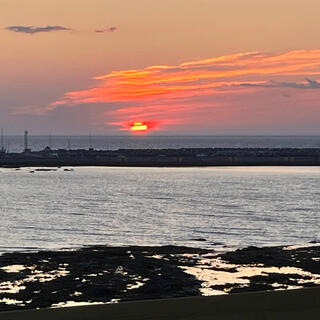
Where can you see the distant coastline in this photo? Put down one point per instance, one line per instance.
(183, 157)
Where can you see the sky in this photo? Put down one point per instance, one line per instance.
(185, 67)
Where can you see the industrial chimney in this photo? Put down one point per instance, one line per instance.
(2, 148)
(26, 142)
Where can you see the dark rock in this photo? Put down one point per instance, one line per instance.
(102, 273)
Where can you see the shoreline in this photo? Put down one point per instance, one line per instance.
(102, 274)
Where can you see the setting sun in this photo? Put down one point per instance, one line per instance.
(139, 126)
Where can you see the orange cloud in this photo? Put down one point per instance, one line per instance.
(170, 94)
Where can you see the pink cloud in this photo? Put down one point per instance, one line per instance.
(207, 89)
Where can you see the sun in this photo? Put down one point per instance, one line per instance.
(138, 126)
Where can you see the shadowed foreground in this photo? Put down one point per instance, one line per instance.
(289, 304)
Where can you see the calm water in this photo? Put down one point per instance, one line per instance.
(16, 143)
(155, 206)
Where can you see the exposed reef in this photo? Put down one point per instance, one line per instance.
(102, 274)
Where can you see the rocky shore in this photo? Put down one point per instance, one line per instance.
(102, 274)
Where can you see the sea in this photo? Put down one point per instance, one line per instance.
(214, 207)
(16, 143)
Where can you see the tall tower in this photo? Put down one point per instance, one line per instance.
(90, 143)
(2, 148)
(26, 141)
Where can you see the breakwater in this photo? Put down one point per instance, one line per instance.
(165, 157)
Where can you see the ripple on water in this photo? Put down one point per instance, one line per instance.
(156, 206)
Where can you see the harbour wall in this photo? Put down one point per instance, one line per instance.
(164, 157)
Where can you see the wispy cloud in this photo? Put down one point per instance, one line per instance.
(33, 30)
(170, 94)
(110, 29)
(307, 84)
